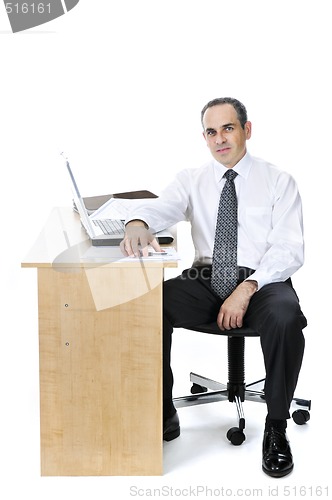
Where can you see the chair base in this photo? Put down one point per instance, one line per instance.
(205, 390)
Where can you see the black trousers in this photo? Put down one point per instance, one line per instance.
(274, 312)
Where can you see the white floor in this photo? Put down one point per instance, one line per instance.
(200, 463)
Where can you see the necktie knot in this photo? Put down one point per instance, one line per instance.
(230, 174)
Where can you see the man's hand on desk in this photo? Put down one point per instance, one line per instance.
(136, 240)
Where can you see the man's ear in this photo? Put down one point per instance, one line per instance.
(247, 129)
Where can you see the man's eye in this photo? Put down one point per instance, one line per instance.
(229, 129)
(211, 132)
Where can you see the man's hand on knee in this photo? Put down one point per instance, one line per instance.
(235, 306)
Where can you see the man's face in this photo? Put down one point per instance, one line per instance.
(225, 137)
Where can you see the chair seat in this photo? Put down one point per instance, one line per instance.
(214, 329)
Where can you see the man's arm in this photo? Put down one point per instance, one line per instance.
(158, 214)
(284, 243)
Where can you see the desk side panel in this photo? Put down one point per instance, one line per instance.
(100, 378)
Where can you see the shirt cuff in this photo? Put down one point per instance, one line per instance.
(261, 278)
(136, 218)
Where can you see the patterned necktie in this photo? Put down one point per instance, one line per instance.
(224, 260)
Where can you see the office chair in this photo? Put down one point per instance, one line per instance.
(205, 390)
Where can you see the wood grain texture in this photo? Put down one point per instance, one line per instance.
(100, 378)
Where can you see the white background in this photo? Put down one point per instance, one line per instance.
(119, 86)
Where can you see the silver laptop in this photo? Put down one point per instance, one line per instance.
(103, 232)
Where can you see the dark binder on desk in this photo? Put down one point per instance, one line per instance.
(94, 202)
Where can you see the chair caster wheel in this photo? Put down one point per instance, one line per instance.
(235, 436)
(301, 417)
(196, 389)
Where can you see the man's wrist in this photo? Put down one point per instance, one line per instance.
(252, 286)
(137, 222)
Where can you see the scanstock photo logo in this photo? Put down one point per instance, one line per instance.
(25, 15)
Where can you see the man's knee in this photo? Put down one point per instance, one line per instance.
(281, 309)
(284, 318)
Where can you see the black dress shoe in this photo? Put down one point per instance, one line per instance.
(277, 455)
(171, 428)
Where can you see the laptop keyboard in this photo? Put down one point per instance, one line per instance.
(110, 226)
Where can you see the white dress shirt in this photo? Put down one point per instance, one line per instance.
(270, 228)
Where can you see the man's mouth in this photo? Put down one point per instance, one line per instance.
(223, 150)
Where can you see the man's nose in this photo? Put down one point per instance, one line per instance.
(220, 138)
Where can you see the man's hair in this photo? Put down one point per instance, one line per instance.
(237, 105)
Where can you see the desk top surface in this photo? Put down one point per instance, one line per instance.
(63, 242)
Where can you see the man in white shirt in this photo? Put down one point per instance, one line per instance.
(269, 250)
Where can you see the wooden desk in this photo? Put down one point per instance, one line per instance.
(100, 328)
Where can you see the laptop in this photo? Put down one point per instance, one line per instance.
(103, 232)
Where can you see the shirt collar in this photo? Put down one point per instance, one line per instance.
(242, 167)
